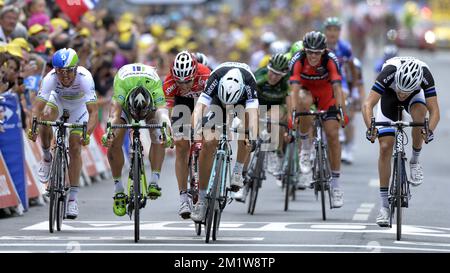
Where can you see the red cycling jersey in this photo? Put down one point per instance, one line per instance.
(171, 89)
(317, 79)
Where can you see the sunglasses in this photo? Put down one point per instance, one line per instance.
(314, 52)
(65, 71)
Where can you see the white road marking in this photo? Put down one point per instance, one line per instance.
(421, 243)
(360, 217)
(121, 238)
(81, 226)
(215, 246)
(362, 213)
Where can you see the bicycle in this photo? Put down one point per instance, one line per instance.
(58, 184)
(399, 193)
(137, 181)
(217, 193)
(321, 171)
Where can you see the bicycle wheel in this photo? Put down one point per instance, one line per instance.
(136, 192)
(287, 177)
(53, 193)
(256, 182)
(198, 228)
(321, 179)
(212, 196)
(61, 197)
(398, 197)
(215, 231)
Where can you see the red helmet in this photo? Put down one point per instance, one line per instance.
(184, 67)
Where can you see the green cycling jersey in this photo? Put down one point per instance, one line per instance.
(133, 75)
(271, 94)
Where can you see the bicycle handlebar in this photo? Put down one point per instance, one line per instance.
(317, 113)
(135, 126)
(400, 124)
(59, 123)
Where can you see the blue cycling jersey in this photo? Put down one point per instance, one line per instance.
(343, 52)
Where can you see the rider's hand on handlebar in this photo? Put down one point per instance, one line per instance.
(371, 135)
(85, 142)
(32, 136)
(107, 139)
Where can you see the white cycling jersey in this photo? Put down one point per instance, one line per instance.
(81, 90)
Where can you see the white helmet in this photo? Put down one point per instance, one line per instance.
(409, 76)
(231, 86)
(184, 66)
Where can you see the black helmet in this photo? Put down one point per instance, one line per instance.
(315, 40)
(279, 62)
(139, 103)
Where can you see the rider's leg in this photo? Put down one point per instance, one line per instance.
(384, 166)
(418, 112)
(331, 128)
(116, 158)
(181, 163)
(46, 135)
(305, 102)
(206, 158)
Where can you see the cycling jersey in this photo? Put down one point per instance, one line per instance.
(249, 97)
(82, 89)
(171, 89)
(386, 79)
(132, 75)
(271, 94)
(316, 79)
(343, 52)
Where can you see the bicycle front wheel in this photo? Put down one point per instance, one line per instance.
(60, 209)
(136, 193)
(287, 180)
(213, 197)
(53, 193)
(321, 156)
(398, 196)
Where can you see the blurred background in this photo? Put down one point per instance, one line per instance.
(110, 34)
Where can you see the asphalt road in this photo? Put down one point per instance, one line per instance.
(352, 228)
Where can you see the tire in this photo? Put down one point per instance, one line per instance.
(215, 231)
(136, 192)
(214, 195)
(256, 182)
(398, 196)
(61, 197)
(198, 228)
(287, 177)
(53, 206)
(321, 180)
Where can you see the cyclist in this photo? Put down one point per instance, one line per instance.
(230, 84)
(272, 89)
(138, 95)
(353, 102)
(315, 78)
(66, 86)
(404, 81)
(390, 51)
(343, 51)
(184, 83)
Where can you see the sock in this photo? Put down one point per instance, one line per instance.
(73, 193)
(47, 154)
(118, 185)
(384, 196)
(155, 177)
(238, 167)
(415, 155)
(306, 144)
(183, 196)
(335, 179)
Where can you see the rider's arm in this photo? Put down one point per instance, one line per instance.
(430, 95)
(43, 95)
(335, 79)
(294, 81)
(367, 110)
(196, 119)
(433, 108)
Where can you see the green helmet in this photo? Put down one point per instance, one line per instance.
(296, 47)
(279, 63)
(332, 21)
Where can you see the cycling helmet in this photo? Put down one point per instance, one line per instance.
(231, 86)
(280, 46)
(201, 58)
(184, 66)
(279, 63)
(314, 40)
(332, 21)
(390, 51)
(139, 103)
(296, 47)
(65, 58)
(409, 76)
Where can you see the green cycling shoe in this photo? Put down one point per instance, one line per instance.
(154, 191)
(120, 204)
